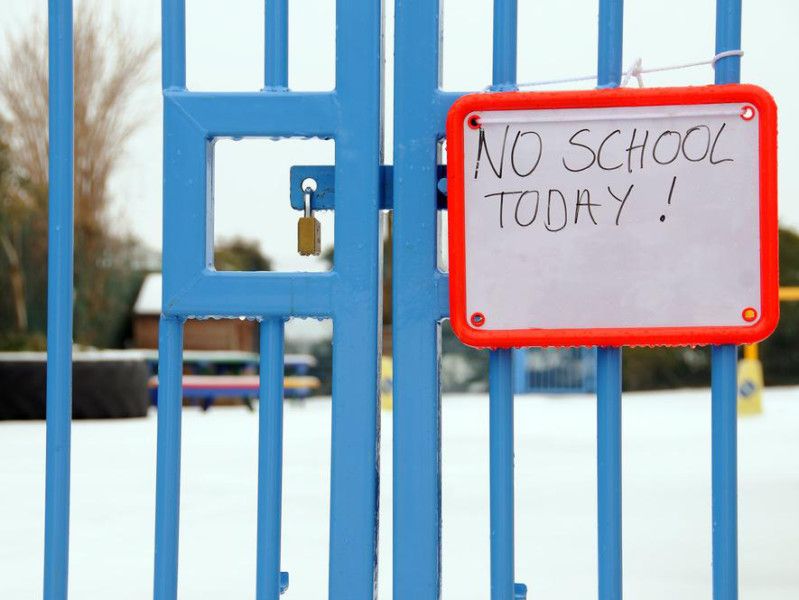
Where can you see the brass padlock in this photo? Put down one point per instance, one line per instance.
(309, 229)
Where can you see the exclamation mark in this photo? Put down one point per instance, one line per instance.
(671, 193)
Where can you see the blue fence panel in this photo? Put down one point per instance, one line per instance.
(420, 302)
(349, 294)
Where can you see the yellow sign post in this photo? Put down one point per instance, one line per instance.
(750, 369)
(750, 382)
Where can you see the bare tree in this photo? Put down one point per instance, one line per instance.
(110, 64)
(7, 220)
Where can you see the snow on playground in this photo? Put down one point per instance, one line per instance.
(666, 501)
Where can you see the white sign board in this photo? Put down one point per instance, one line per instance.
(637, 223)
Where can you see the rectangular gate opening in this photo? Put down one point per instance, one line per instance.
(254, 224)
(556, 42)
(465, 561)
(555, 493)
(306, 464)
(220, 453)
(312, 45)
(464, 463)
(442, 236)
(234, 62)
(465, 45)
(664, 434)
(657, 41)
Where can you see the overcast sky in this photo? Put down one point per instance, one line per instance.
(556, 39)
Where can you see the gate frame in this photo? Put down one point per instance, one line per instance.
(352, 114)
(350, 294)
(420, 303)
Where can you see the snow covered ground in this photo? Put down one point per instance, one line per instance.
(666, 501)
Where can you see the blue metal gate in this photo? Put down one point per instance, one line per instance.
(421, 301)
(350, 295)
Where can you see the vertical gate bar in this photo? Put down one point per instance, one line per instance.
(724, 373)
(173, 44)
(724, 472)
(416, 344)
(59, 301)
(500, 373)
(504, 44)
(167, 479)
(501, 466)
(609, 473)
(270, 460)
(357, 318)
(611, 38)
(276, 55)
(609, 547)
(728, 37)
(170, 344)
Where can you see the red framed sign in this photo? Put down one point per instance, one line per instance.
(613, 217)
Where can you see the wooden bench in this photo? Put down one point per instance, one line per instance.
(207, 388)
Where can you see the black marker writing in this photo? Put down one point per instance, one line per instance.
(713, 148)
(622, 200)
(549, 211)
(668, 135)
(599, 152)
(688, 136)
(634, 146)
(501, 203)
(537, 160)
(481, 144)
(519, 203)
(573, 143)
(588, 204)
(671, 194)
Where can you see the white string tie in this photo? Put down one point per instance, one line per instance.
(636, 71)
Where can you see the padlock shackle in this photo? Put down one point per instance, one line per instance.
(307, 201)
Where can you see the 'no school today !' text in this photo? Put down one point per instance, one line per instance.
(512, 154)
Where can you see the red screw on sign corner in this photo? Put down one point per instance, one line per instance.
(748, 112)
(749, 314)
(478, 319)
(473, 121)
